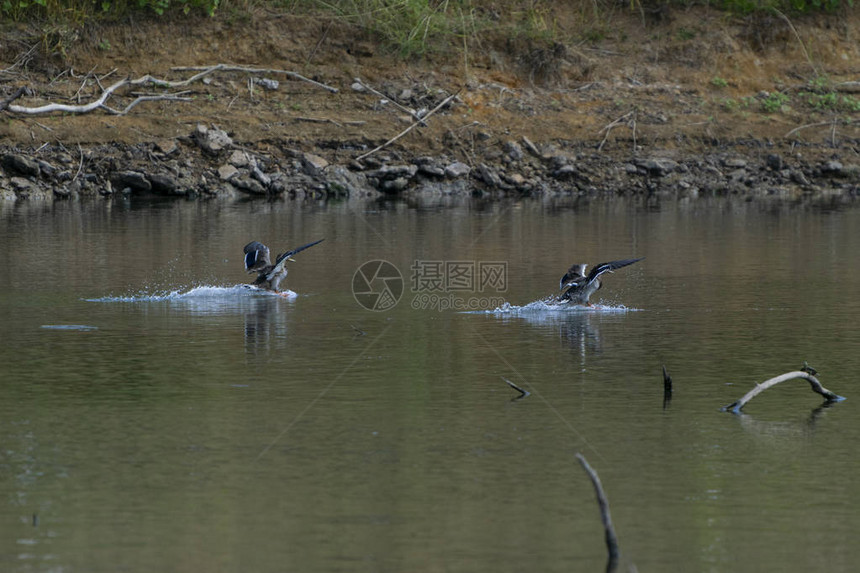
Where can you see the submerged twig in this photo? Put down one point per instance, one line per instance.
(759, 388)
(523, 393)
(603, 503)
(667, 388)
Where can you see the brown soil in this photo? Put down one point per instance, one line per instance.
(693, 80)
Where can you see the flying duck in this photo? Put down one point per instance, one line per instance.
(269, 276)
(580, 287)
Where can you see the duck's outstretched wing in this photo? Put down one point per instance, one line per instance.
(282, 259)
(256, 256)
(609, 267)
(574, 274)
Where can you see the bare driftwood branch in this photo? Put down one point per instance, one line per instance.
(397, 104)
(206, 70)
(603, 503)
(759, 388)
(630, 118)
(100, 103)
(410, 128)
(523, 393)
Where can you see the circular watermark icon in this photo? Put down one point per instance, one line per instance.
(377, 285)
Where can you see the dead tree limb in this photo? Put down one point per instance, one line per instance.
(398, 105)
(759, 388)
(523, 393)
(603, 503)
(206, 70)
(18, 93)
(410, 128)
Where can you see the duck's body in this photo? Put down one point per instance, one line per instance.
(578, 287)
(269, 276)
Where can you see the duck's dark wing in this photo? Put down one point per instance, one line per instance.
(574, 274)
(256, 256)
(282, 259)
(609, 267)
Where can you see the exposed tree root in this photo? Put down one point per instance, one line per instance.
(813, 381)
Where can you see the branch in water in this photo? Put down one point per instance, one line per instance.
(603, 503)
(523, 393)
(813, 381)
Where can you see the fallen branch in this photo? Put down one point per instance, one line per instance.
(410, 128)
(397, 104)
(631, 115)
(18, 93)
(523, 393)
(735, 407)
(603, 503)
(206, 70)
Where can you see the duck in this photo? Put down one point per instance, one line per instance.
(578, 287)
(269, 276)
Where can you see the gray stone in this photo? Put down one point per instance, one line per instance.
(19, 164)
(833, 167)
(227, 171)
(394, 171)
(489, 176)
(659, 166)
(313, 164)
(514, 150)
(257, 174)
(162, 184)
(21, 184)
(431, 170)
(238, 159)
(774, 161)
(735, 163)
(342, 181)
(395, 185)
(531, 147)
(564, 172)
(212, 141)
(249, 185)
(134, 180)
(457, 169)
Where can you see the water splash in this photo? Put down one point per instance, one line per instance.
(198, 294)
(550, 305)
(78, 327)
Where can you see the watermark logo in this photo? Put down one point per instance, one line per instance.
(377, 285)
(436, 285)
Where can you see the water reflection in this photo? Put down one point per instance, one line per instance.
(265, 324)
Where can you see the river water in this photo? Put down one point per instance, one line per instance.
(157, 416)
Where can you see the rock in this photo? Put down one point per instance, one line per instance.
(735, 163)
(313, 164)
(268, 84)
(249, 185)
(564, 172)
(457, 169)
(513, 150)
(227, 171)
(166, 147)
(531, 147)
(342, 181)
(162, 184)
(774, 161)
(211, 141)
(393, 172)
(432, 170)
(631, 169)
(489, 176)
(46, 169)
(134, 180)
(658, 166)
(21, 184)
(238, 159)
(257, 174)
(357, 87)
(14, 163)
(833, 167)
(395, 185)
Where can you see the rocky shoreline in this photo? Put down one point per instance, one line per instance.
(208, 164)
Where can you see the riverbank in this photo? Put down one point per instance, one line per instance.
(690, 105)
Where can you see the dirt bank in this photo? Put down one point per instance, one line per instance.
(694, 103)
